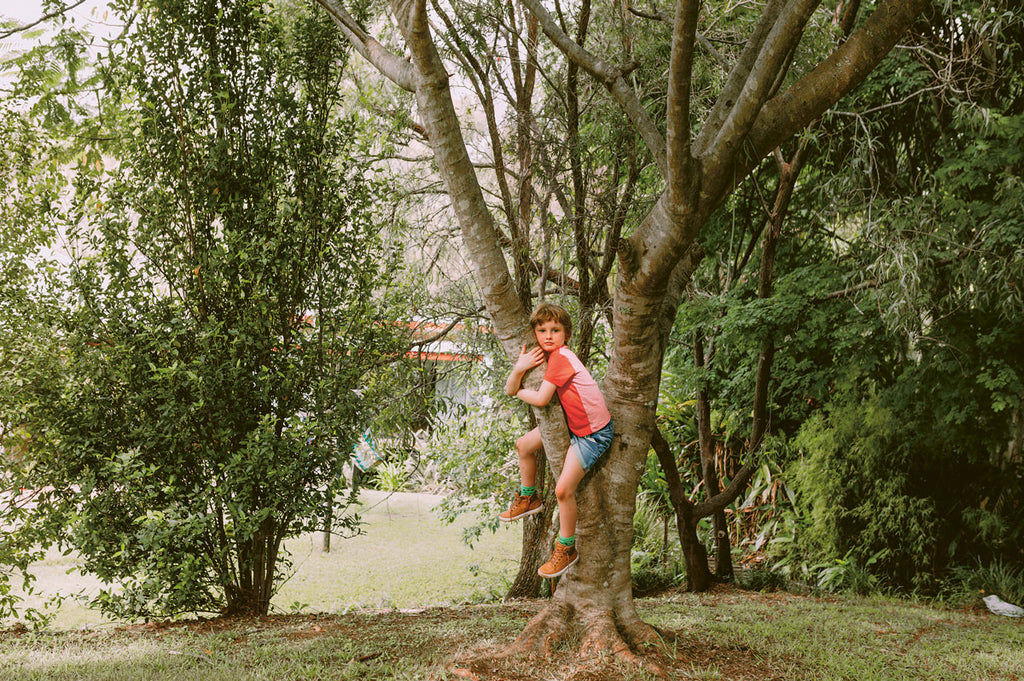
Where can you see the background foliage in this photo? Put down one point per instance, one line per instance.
(224, 300)
(173, 391)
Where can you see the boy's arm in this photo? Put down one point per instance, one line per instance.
(527, 360)
(540, 397)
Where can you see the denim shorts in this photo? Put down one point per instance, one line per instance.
(589, 448)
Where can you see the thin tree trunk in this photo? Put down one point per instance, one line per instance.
(695, 556)
(709, 473)
(325, 531)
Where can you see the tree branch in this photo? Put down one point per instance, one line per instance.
(730, 93)
(679, 160)
(612, 78)
(390, 65)
(701, 38)
(46, 17)
(789, 112)
(764, 74)
(728, 495)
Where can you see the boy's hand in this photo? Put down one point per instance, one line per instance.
(529, 359)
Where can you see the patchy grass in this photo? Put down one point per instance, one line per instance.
(407, 558)
(798, 637)
(378, 598)
(725, 634)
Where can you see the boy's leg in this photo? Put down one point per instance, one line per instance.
(565, 491)
(565, 555)
(526, 501)
(526, 448)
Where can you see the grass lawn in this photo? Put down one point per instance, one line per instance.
(725, 634)
(406, 559)
(403, 602)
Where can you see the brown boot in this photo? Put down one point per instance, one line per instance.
(562, 558)
(522, 507)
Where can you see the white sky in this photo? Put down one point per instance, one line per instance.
(20, 9)
(90, 14)
(30, 10)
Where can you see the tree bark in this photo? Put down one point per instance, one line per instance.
(325, 530)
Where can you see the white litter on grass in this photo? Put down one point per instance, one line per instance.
(1001, 607)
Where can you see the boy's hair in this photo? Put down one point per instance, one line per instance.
(548, 312)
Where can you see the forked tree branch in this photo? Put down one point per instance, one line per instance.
(390, 65)
(611, 77)
(771, 62)
(730, 93)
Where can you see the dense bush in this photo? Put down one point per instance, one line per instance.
(223, 304)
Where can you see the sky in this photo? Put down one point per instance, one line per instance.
(91, 15)
(24, 12)
(30, 10)
(20, 9)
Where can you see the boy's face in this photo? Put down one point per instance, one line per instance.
(550, 335)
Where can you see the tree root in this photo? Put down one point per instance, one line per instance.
(640, 635)
(604, 638)
(543, 631)
(603, 643)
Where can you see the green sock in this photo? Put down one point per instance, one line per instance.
(525, 491)
(567, 541)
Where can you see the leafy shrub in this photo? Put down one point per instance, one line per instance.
(654, 562)
(761, 578)
(847, 575)
(475, 456)
(854, 488)
(968, 584)
(651, 521)
(651, 574)
(390, 476)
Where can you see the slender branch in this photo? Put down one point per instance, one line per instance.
(445, 331)
(40, 20)
(842, 293)
(612, 78)
(485, 93)
(888, 105)
(701, 38)
(679, 161)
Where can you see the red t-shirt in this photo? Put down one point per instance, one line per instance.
(581, 399)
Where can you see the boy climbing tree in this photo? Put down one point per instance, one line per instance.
(590, 427)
